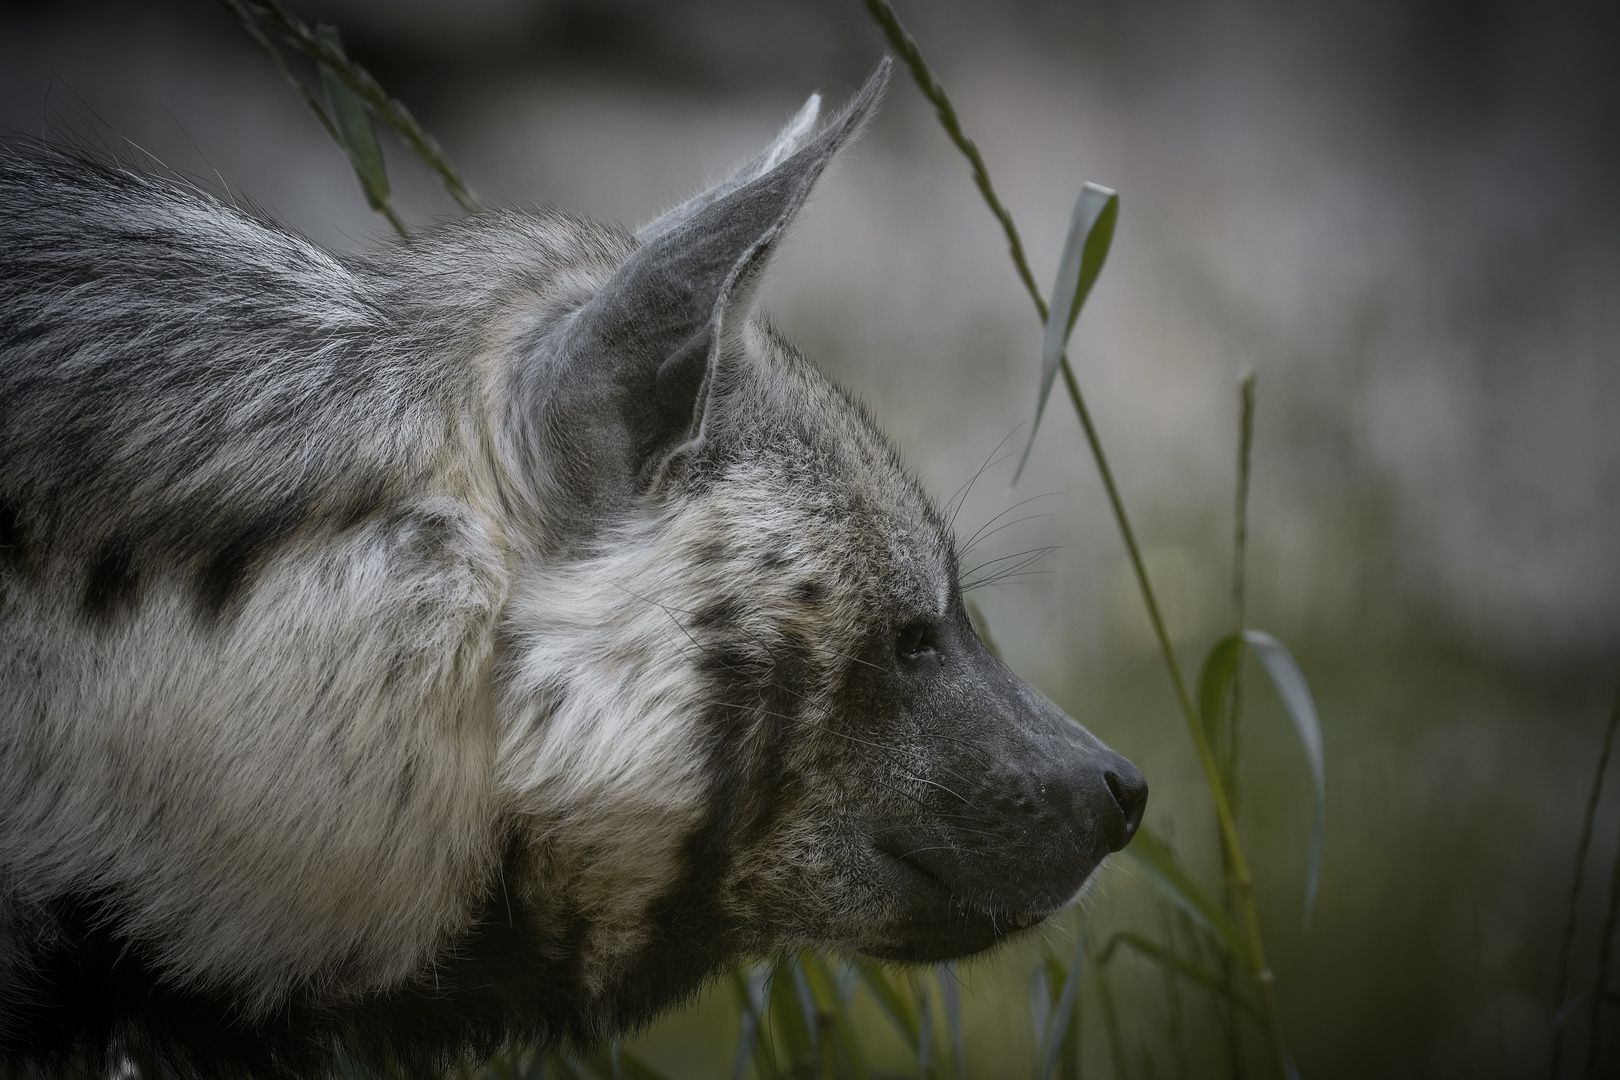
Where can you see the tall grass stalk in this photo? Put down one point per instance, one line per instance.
(1576, 882)
(324, 51)
(1240, 565)
(1600, 982)
(1259, 969)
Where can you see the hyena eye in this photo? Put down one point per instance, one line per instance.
(914, 641)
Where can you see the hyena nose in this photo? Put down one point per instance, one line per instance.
(1130, 791)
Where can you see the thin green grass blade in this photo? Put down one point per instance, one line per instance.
(750, 991)
(786, 1014)
(1214, 680)
(948, 996)
(896, 1002)
(389, 110)
(1296, 698)
(1040, 1002)
(1085, 249)
(845, 1046)
(1105, 998)
(1154, 857)
(1063, 1014)
(925, 1033)
(355, 133)
(558, 1065)
(1203, 976)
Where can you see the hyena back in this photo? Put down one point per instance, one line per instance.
(483, 640)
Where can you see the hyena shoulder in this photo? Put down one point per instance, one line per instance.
(258, 490)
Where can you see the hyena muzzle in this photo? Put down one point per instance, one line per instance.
(481, 640)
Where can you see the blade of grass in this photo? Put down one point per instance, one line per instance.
(786, 1015)
(1296, 697)
(1215, 679)
(1172, 991)
(951, 1000)
(1577, 879)
(254, 31)
(1200, 974)
(1085, 249)
(1220, 668)
(903, 44)
(840, 1032)
(1105, 998)
(389, 110)
(1254, 953)
(1226, 748)
(1240, 550)
(1065, 1012)
(1600, 983)
(1155, 859)
(1041, 994)
(896, 1003)
(356, 136)
(925, 1033)
(750, 990)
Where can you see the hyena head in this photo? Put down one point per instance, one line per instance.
(742, 704)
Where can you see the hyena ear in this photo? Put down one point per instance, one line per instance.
(787, 141)
(649, 342)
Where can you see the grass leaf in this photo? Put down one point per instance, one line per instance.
(896, 1002)
(787, 1015)
(1154, 857)
(1296, 698)
(840, 1034)
(949, 997)
(750, 989)
(1085, 249)
(355, 133)
(1213, 981)
(1066, 1012)
(1220, 665)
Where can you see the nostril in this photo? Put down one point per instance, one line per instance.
(1130, 792)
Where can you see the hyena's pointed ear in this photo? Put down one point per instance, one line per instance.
(787, 141)
(646, 347)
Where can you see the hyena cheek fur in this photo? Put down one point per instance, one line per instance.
(483, 640)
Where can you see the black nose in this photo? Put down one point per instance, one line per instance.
(1129, 790)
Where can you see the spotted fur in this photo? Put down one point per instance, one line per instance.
(481, 640)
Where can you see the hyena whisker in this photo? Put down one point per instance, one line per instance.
(1016, 572)
(979, 533)
(953, 506)
(1008, 578)
(1006, 525)
(1017, 564)
(903, 793)
(958, 829)
(942, 787)
(1027, 556)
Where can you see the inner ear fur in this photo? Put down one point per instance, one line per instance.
(641, 355)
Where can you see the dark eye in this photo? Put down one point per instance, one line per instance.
(915, 640)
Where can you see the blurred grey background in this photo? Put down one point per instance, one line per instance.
(1400, 214)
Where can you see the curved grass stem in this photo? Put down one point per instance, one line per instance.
(903, 43)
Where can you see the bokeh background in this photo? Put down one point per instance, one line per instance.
(1401, 215)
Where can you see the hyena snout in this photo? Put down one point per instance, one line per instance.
(1031, 811)
(1016, 806)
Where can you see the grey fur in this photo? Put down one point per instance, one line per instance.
(484, 639)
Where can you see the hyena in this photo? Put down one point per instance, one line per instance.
(480, 641)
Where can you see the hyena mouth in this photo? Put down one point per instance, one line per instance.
(940, 922)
